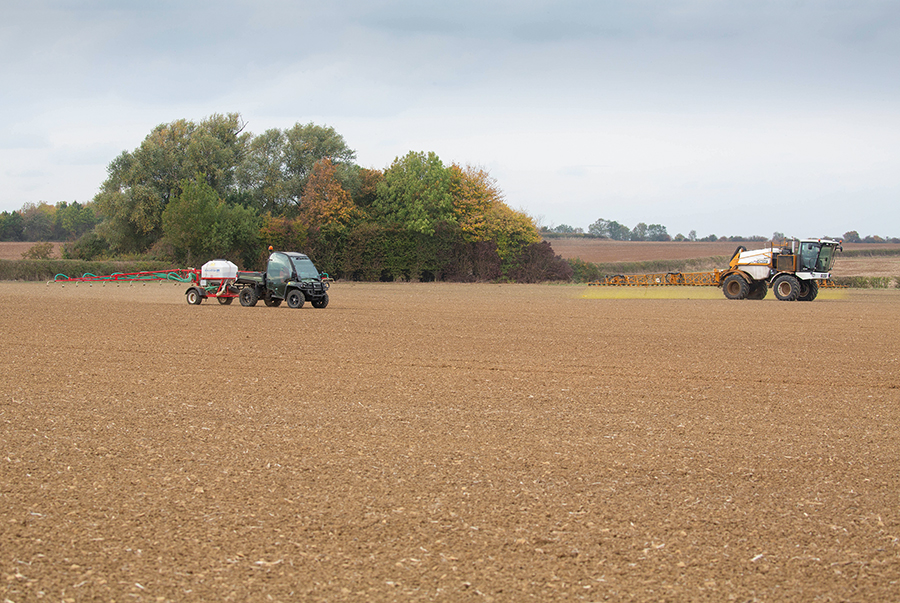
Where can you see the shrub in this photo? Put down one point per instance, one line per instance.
(39, 251)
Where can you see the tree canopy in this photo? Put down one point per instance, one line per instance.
(193, 191)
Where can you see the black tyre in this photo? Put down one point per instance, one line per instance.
(295, 298)
(320, 302)
(786, 287)
(248, 297)
(272, 302)
(225, 301)
(758, 290)
(808, 290)
(735, 286)
(194, 297)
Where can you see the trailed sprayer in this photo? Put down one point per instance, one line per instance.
(289, 277)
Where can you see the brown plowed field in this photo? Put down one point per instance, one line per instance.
(438, 442)
(14, 251)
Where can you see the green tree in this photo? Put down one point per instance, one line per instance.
(11, 227)
(261, 173)
(73, 220)
(657, 232)
(140, 184)
(851, 236)
(639, 232)
(600, 228)
(200, 226)
(278, 164)
(37, 221)
(618, 232)
(415, 193)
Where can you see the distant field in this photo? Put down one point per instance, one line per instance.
(14, 251)
(603, 251)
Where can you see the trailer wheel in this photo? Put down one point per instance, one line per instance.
(295, 298)
(787, 288)
(808, 290)
(735, 287)
(758, 290)
(272, 302)
(320, 302)
(194, 297)
(248, 297)
(225, 301)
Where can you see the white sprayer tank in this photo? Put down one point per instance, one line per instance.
(217, 270)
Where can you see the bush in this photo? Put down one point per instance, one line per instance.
(39, 251)
(538, 263)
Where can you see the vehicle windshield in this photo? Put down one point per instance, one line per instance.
(816, 257)
(304, 268)
(826, 258)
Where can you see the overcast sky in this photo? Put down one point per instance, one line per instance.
(732, 118)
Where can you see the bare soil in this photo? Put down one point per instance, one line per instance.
(438, 442)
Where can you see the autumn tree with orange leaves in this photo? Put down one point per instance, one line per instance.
(325, 203)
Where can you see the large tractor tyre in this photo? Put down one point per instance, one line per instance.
(272, 302)
(758, 290)
(295, 298)
(194, 297)
(248, 297)
(225, 301)
(787, 288)
(320, 302)
(735, 287)
(808, 290)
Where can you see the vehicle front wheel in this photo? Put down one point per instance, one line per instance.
(248, 297)
(295, 299)
(320, 302)
(787, 288)
(808, 290)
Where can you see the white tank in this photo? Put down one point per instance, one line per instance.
(218, 270)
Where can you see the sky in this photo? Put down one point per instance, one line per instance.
(721, 117)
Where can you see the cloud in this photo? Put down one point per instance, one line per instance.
(686, 106)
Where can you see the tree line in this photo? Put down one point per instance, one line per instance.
(610, 229)
(192, 192)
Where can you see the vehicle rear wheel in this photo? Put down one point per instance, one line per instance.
(248, 297)
(787, 288)
(735, 286)
(320, 302)
(758, 290)
(808, 290)
(194, 297)
(225, 301)
(295, 299)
